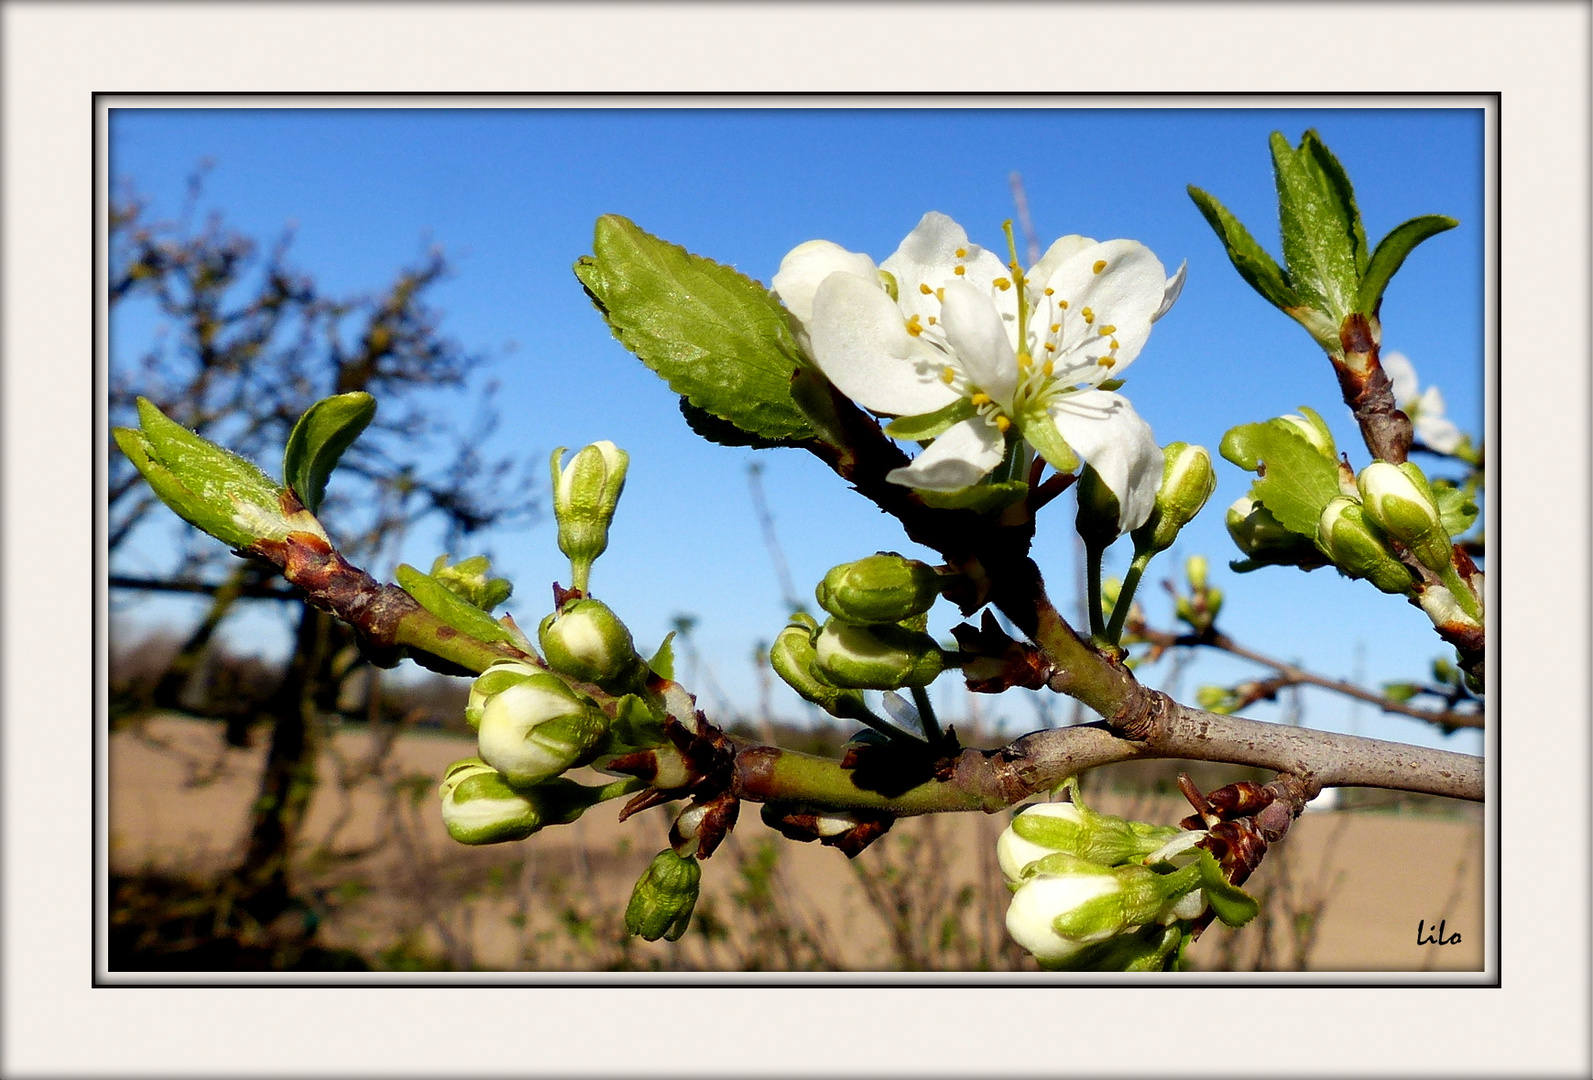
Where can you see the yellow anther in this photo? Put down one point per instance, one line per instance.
(923, 287)
(1025, 360)
(1106, 361)
(960, 271)
(1100, 264)
(1056, 328)
(1050, 347)
(932, 323)
(962, 253)
(1047, 368)
(947, 375)
(980, 399)
(1114, 345)
(940, 294)
(1108, 329)
(1003, 424)
(913, 328)
(1052, 292)
(1064, 304)
(1089, 316)
(1002, 283)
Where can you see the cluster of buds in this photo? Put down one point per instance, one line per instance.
(874, 638)
(1095, 892)
(1203, 603)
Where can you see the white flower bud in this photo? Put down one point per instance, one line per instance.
(538, 728)
(1035, 907)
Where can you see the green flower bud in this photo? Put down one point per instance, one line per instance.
(884, 588)
(212, 489)
(479, 806)
(500, 675)
(1068, 904)
(1264, 540)
(584, 496)
(665, 894)
(1213, 604)
(1187, 482)
(1358, 550)
(1074, 829)
(1100, 514)
(795, 660)
(1195, 568)
(586, 641)
(538, 727)
(1400, 501)
(884, 657)
(468, 580)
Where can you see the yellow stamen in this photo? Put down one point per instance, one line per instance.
(1047, 368)
(932, 323)
(924, 288)
(1106, 361)
(1002, 283)
(913, 328)
(1114, 345)
(1089, 316)
(1064, 304)
(940, 294)
(1052, 292)
(1050, 347)
(960, 271)
(962, 253)
(980, 399)
(1100, 265)
(1108, 329)
(1025, 360)
(1003, 424)
(947, 375)
(1056, 328)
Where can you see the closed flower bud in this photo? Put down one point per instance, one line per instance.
(1074, 829)
(537, 728)
(1358, 550)
(212, 489)
(1195, 568)
(1099, 519)
(1444, 610)
(1264, 540)
(586, 641)
(882, 588)
(1069, 904)
(585, 493)
(884, 657)
(665, 894)
(795, 660)
(479, 806)
(1402, 505)
(501, 675)
(1187, 482)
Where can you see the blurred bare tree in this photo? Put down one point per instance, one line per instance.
(231, 340)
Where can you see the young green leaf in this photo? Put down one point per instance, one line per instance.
(1297, 480)
(715, 335)
(1456, 509)
(981, 498)
(1344, 193)
(717, 430)
(458, 613)
(1390, 254)
(1229, 902)
(663, 661)
(1248, 257)
(1319, 228)
(323, 433)
(930, 425)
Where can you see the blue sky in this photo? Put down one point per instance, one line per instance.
(511, 195)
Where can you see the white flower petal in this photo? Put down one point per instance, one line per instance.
(927, 259)
(1105, 431)
(1058, 253)
(858, 339)
(1438, 433)
(960, 458)
(1170, 294)
(979, 338)
(1124, 293)
(1402, 374)
(807, 265)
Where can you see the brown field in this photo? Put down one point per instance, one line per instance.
(1344, 892)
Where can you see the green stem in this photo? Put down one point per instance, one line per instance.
(926, 715)
(1092, 576)
(1125, 597)
(420, 629)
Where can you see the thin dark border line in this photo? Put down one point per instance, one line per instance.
(917, 981)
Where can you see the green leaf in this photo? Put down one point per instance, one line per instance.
(723, 432)
(931, 425)
(1231, 904)
(1339, 181)
(1390, 254)
(663, 661)
(1456, 509)
(326, 429)
(1319, 228)
(1297, 480)
(438, 599)
(1248, 257)
(981, 498)
(715, 335)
